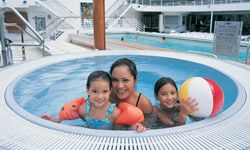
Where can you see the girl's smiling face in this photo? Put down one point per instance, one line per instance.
(167, 96)
(99, 92)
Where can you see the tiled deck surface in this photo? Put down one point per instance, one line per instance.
(230, 130)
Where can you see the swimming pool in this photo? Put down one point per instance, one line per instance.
(64, 81)
(182, 45)
(21, 130)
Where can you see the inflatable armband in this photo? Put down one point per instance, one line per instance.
(69, 111)
(130, 114)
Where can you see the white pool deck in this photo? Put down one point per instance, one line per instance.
(229, 130)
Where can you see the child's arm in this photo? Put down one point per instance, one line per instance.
(187, 107)
(49, 117)
(165, 119)
(82, 111)
(69, 111)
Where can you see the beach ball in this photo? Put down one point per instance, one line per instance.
(206, 92)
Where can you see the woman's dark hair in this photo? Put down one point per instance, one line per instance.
(163, 81)
(125, 62)
(94, 76)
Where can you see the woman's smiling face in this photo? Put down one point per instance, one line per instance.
(123, 82)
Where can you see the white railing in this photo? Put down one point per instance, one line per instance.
(121, 12)
(61, 15)
(114, 7)
(56, 6)
(186, 2)
(87, 23)
(126, 24)
(122, 24)
(55, 27)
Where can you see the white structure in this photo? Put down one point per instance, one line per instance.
(182, 15)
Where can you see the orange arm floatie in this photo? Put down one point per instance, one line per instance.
(69, 111)
(129, 115)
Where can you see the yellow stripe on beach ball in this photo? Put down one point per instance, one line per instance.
(184, 89)
(197, 88)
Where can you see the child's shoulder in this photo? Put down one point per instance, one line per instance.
(82, 110)
(115, 113)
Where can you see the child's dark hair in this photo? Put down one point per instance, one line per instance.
(94, 76)
(125, 62)
(163, 81)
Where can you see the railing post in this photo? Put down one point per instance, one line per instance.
(43, 49)
(248, 49)
(23, 49)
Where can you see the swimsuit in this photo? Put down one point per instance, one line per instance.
(138, 99)
(99, 123)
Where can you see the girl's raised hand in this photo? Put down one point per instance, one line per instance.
(188, 106)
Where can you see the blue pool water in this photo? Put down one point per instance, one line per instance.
(174, 44)
(45, 90)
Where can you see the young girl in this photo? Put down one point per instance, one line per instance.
(170, 111)
(97, 111)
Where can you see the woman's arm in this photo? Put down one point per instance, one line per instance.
(145, 105)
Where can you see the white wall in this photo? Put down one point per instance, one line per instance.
(109, 3)
(75, 4)
(17, 3)
(132, 13)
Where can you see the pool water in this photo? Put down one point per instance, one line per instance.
(174, 44)
(45, 90)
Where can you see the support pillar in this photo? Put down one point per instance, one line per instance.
(3, 51)
(211, 22)
(99, 24)
(161, 23)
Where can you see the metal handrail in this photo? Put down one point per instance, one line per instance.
(24, 21)
(21, 29)
(203, 53)
(39, 37)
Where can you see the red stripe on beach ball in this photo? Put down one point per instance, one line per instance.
(218, 96)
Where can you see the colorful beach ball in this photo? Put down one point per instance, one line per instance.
(207, 93)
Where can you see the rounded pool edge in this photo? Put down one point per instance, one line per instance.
(80, 130)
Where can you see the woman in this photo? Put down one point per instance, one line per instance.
(124, 77)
